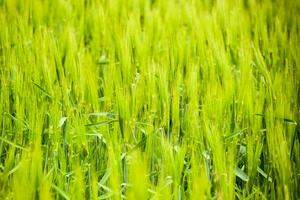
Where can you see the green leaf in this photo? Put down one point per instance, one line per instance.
(102, 123)
(61, 192)
(264, 174)
(241, 174)
(62, 121)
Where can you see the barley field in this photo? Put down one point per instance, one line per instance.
(149, 99)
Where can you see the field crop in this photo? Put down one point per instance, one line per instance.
(149, 99)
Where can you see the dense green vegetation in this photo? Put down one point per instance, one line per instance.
(149, 99)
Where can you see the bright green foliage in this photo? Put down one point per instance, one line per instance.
(149, 99)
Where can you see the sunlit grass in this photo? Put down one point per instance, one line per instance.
(149, 99)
